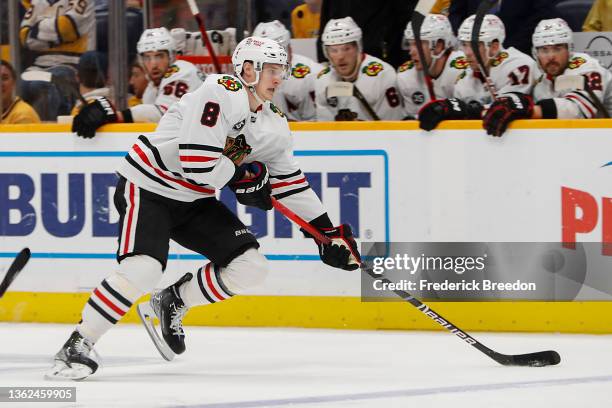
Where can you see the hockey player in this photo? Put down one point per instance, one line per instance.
(355, 85)
(509, 71)
(226, 133)
(444, 64)
(552, 42)
(169, 80)
(295, 96)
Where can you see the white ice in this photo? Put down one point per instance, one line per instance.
(258, 367)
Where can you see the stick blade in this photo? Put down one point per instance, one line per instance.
(18, 264)
(37, 76)
(538, 359)
(336, 89)
(423, 7)
(569, 83)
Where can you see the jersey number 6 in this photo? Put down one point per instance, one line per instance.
(210, 114)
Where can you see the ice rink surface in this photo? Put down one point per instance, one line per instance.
(247, 367)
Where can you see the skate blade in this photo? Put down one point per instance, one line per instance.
(62, 372)
(147, 316)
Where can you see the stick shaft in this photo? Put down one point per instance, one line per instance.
(196, 14)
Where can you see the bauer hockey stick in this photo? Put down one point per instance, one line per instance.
(196, 14)
(537, 359)
(418, 16)
(18, 264)
(483, 9)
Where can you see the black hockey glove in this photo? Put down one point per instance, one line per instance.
(342, 252)
(254, 191)
(346, 115)
(435, 112)
(504, 110)
(96, 113)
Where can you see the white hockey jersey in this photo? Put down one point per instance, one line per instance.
(510, 71)
(183, 159)
(574, 104)
(295, 96)
(182, 77)
(412, 87)
(377, 82)
(58, 31)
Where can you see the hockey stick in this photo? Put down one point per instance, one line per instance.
(336, 89)
(483, 9)
(421, 10)
(196, 14)
(18, 264)
(60, 82)
(537, 359)
(579, 83)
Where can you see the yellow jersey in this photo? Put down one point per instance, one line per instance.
(304, 23)
(19, 112)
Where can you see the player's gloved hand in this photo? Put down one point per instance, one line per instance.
(254, 190)
(342, 252)
(504, 110)
(237, 149)
(96, 113)
(436, 111)
(346, 115)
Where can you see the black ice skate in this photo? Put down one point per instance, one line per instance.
(74, 361)
(170, 309)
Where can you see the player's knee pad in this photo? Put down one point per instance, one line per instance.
(245, 271)
(137, 275)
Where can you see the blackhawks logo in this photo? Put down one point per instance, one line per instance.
(372, 69)
(323, 72)
(276, 110)
(459, 63)
(499, 59)
(229, 83)
(406, 66)
(300, 71)
(576, 62)
(173, 69)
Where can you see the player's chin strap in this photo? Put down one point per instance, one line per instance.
(353, 75)
(435, 58)
(251, 87)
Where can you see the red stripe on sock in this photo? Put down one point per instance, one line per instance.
(108, 302)
(210, 284)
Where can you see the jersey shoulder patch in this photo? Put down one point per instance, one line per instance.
(461, 76)
(373, 68)
(172, 69)
(576, 62)
(406, 66)
(274, 109)
(300, 70)
(323, 72)
(229, 83)
(499, 59)
(459, 63)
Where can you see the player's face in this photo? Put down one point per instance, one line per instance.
(471, 57)
(7, 83)
(553, 58)
(138, 81)
(270, 78)
(344, 57)
(414, 53)
(156, 63)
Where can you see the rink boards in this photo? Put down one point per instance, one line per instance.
(545, 181)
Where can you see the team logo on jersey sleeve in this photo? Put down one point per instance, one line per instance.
(406, 66)
(300, 71)
(173, 69)
(576, 62)
(418, 98)
(229, 83)
(274, 109)
(459, 63)
(499, 59)
(372, 69)
(323, 72)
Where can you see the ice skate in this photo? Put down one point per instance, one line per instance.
(74, 361)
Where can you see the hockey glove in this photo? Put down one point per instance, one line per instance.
(435, 112)
(96, 113)
(342, 252)
(255, 190)
(504, 110)
(346, 115)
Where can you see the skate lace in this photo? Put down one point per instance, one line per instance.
(82, 346)
(176, 319)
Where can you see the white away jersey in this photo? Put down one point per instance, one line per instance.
(412, 87)
(183, 159)
(182, 77)
(58, 31)
(295, 96)
(574, 104)
(377, 82)
(510, 71)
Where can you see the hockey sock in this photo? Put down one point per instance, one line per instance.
(206, 287)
